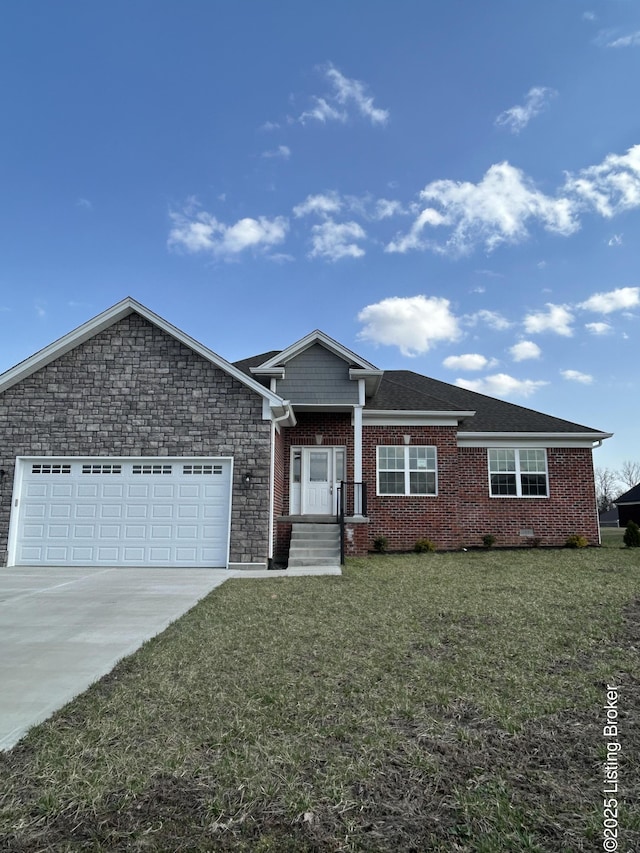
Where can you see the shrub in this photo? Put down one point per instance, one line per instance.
(488, 540)
(422, 546)
(576, 541)
(632, 535)
(380, 544)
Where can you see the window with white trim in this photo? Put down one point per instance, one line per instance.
(520, 473)
(409, 470)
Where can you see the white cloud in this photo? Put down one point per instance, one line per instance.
(616, 240)
(352, 91)
(577, 376)
(632, 40)
(282, 152)
(502, 385)
(468, 361)
(323, 112)
(517, 118)
(598, 328)
(525, 350)
(493, 319)
(556, 319)
(336, 240)
(322, 204)
(195, 230)
(497, 210)
(589, 16)
(84, 203)
(385, 208)
(414, 324)
(610, 187)
(614, 300)
(347, 94)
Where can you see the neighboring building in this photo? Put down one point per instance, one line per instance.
(127, 442)
(609, 518)
(628, 506)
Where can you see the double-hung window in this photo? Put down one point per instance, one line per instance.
(407, 470)
(518, 473)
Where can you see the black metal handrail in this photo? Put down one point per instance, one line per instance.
(352, 500)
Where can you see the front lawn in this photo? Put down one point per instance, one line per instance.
(445, 702)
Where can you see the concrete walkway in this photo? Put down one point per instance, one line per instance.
(61, 629)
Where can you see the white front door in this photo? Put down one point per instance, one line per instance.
(317, 481)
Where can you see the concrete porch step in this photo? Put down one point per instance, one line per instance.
(314, 545)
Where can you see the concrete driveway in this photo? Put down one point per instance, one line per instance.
(62, 629)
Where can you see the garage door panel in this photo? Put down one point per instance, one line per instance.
(80, 512)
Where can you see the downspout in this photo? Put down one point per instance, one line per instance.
(272, 477)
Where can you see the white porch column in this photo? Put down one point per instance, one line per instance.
(357, 447)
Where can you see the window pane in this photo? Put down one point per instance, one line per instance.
(503, 484)
(391, 483)
(422, 482)
(534, 484)
(502, 459)
(532, 461)
(295, 468)
(340, 465)
(391, 458)
(318, 467)
(422, 458)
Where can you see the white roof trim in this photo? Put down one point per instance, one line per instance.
(541, 439)
(398, 417)
(317, 337)
(108, 318)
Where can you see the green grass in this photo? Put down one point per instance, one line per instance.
(445, 702)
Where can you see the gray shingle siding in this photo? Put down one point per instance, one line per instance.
(317, 376)
(134, 390)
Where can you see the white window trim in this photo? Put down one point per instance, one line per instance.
(407, 472)
(518, 473)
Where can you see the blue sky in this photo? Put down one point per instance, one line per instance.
(445, 186)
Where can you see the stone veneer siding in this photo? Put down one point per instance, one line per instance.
(133, 390)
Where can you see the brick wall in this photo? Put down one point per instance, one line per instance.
(463, 512)
(133, 390)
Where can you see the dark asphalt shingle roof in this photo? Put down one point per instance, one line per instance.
(404, 390)
(630, 497)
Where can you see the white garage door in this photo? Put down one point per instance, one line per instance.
(133, 512)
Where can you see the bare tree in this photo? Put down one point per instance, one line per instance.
(607, 488)
(629, 473)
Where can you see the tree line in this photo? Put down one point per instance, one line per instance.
(610, 483)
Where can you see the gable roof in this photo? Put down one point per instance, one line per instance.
(630, 497)
(317, 337)
(108, 318)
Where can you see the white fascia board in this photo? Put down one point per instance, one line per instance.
(381, 417)
(103, 321)
(372, 378)
(278, 372)
(312, 338)
(626, 503)
(531, 439)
